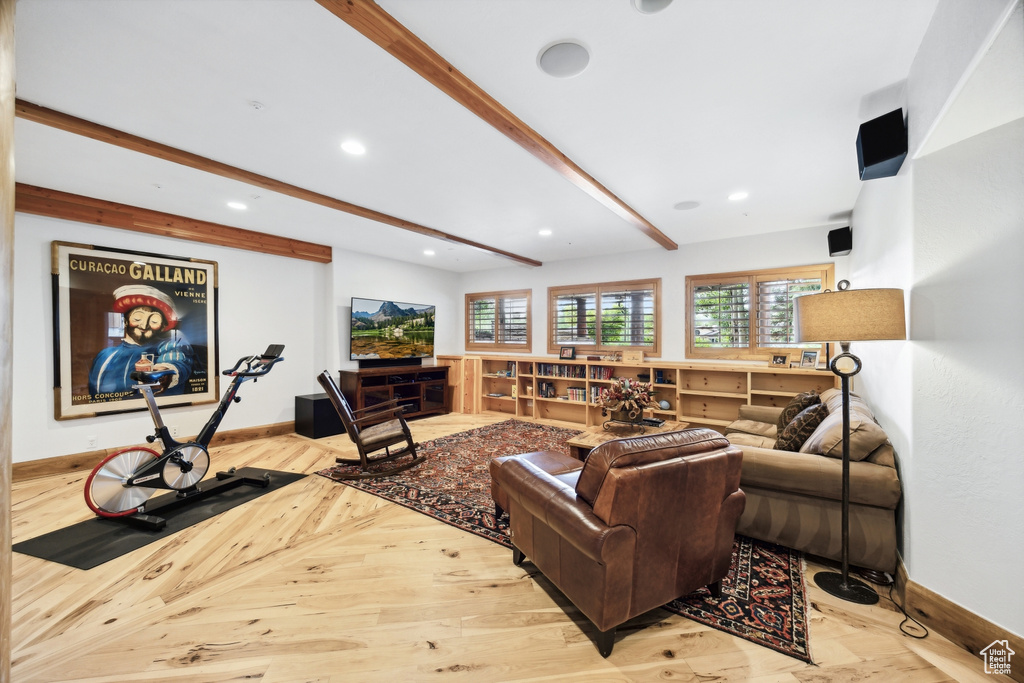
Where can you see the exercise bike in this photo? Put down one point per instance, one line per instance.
(122, 484)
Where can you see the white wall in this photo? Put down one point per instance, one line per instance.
(263, 300)
(882, 257)
(792, 248)
(967, 322)
(359, 275)
(948, 229)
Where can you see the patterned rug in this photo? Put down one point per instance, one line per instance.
(763, 596)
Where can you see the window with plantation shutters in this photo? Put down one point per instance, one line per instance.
(775, 328)
(575, 319)
(749, 315)
(498, 320)
(605, 317)
(721, 315)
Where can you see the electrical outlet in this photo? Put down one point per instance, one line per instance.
(91, 440)
(174, 431)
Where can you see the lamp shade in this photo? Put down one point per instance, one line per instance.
(850, 315)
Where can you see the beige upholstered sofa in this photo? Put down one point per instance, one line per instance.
(794, 497)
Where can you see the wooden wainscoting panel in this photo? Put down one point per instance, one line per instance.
(84, 462)
(961, 626)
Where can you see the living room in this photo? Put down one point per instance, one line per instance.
(945, 228)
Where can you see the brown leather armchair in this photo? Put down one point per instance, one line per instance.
(644, 521)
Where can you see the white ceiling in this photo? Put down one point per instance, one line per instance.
(693, 103)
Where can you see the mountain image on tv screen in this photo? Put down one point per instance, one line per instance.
(391, 329)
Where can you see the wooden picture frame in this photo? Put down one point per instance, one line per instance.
(116, 311)
(779, 360)
(567, 353)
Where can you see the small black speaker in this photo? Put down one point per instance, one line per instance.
(840, 242)
(882, 146)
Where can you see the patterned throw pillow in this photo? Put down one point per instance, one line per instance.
(800, 429)
(799, 403)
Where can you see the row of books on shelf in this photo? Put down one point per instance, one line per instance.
(549, 390)
(556, 370)
(601, 372)
(546, 390)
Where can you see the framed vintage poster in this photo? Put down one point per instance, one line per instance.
(116, 311)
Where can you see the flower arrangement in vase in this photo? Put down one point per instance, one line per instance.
(626, 399)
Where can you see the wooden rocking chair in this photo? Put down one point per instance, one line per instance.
(374, 438)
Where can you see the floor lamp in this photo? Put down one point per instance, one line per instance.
(845, 316)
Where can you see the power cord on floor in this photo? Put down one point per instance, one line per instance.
(906, 617)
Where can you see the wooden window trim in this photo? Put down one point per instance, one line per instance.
(826, 271)
(496, 345)
(597, 289)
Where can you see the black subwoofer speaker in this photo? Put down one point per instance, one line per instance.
(840, 241)
(882, 146)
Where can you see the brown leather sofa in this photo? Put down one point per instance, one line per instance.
(643, 521)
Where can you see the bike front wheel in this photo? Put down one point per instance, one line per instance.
(105, 492)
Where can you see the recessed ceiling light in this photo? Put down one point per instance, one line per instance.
(428, 252)
(237, 205)
(544, 233)
(738, 196)
(353, 147)
(650, 6)
(563, 59)
(686, 206)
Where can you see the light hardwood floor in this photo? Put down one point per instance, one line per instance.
(322, 582)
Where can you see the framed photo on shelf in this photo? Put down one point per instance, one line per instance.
(809, 359)
(779, 360)
(117, 311)
(567, 353)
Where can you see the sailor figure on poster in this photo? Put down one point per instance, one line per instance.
(150, 342)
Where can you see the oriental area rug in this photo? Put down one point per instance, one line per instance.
(763, 597)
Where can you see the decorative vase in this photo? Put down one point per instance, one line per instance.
(624, 416)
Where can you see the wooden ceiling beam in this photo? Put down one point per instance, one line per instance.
(81, 209)
(373, 22)
(73, 124)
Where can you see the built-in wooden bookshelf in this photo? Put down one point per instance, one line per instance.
(702, 394)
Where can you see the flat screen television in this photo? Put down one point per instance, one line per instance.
(390, 330)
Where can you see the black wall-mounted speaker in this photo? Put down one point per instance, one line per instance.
(882, 146)
(840, 242)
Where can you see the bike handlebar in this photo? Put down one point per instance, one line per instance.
(257, 366)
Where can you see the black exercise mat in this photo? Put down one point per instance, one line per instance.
(91, 543)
